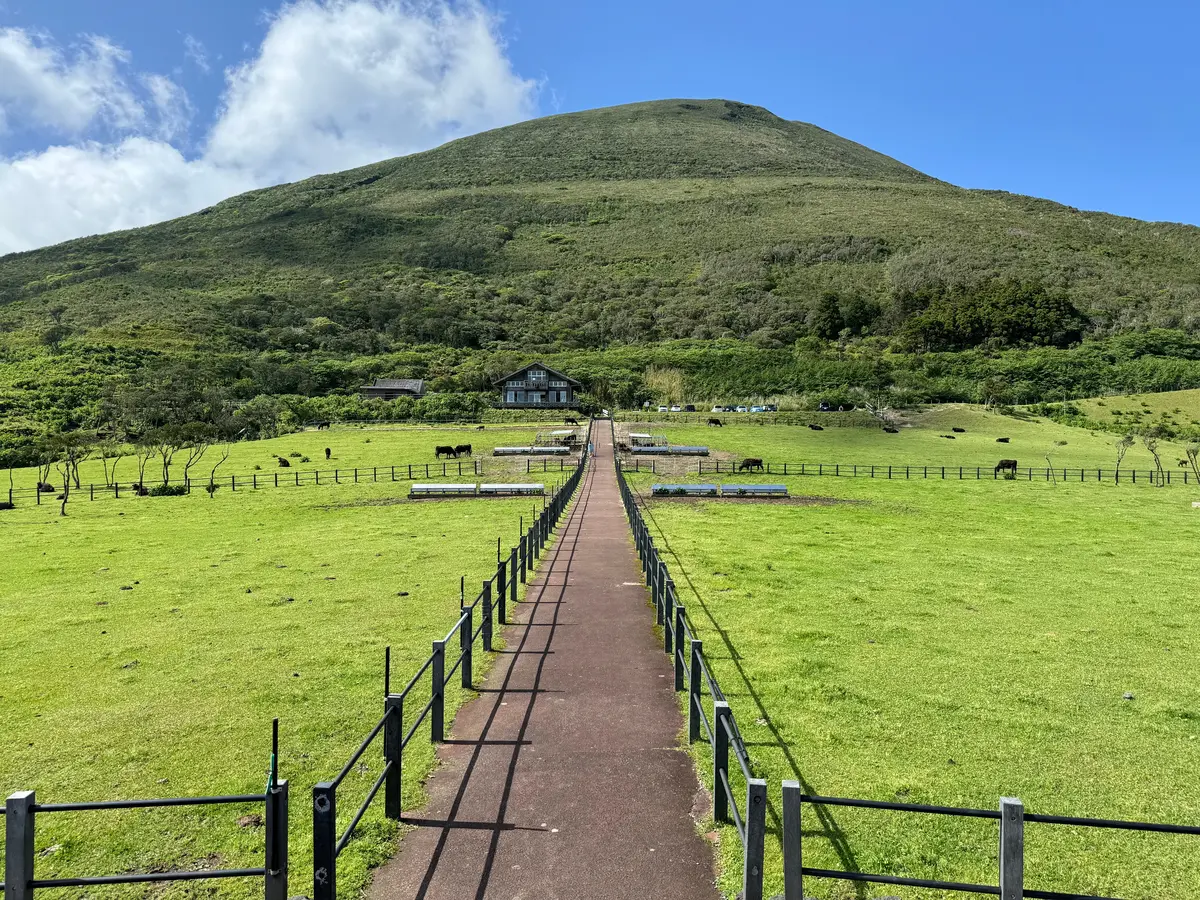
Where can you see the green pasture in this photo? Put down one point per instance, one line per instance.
(364, 447)
(920, 442)
(952, 643)
(1179, 408)
(146, 644)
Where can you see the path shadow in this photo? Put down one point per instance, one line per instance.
(830, 829)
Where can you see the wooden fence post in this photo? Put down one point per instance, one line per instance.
(276, 855)
(756, 833)
(680, 624)
(1012, 848)
(393, 735)
(437, 712)
(18, 845)
(487, 616)
(694, 689)
(466, 631)
(324, 841)
(720, 761)
(793, 856)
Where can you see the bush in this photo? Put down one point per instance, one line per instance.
(168, 490)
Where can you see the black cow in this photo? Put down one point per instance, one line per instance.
(1001, 440)
(322, 426)
(1006, 465)
(750, 464)
(888, 429)
(283, 463)
(817, 427)
(571, 421)
(328, 453)
(716, 422)
(443, 450)
(1183, 463)
(462, 448)
(959, 430)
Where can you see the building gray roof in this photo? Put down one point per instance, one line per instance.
(415, 385)
(538, 365)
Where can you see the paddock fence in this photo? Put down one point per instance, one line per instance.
(909, 472)
(491, 604)
(1012, 818)
(290, 477)
(21, 810)
(720, 729)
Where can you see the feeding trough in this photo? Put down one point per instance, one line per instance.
(512, 489)
(678, 450)
(684, 490)
(754, 490)
(442, 490)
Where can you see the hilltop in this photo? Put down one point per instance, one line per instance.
(609, 232)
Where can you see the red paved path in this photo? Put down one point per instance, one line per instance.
(564, 778)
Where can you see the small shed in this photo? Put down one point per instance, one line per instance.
(391, 388)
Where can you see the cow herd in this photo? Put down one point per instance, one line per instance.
(451, 452)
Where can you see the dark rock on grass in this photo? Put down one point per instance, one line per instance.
(127, 587)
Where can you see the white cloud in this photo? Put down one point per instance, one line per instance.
(41, 86)
(195, 50)
(334, 85)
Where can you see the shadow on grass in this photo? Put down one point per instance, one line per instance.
(830, 829)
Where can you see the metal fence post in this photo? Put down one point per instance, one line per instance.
(680, 625)
(512, 581)
(487, 616)
(501, 591)
(324, 841)
(756, 833)
(720, 760)
(393, 735)
(668, 612)
(18, 845)
(1012, 848)
(276, 855)
(437, 711)
(523, 554)
(697, 650)
(465, 631)
(793, 878)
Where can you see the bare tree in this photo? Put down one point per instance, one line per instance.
(143, 451)
(111, 452)
(199, 439)
(1050, 463)
(1192, 451)
(1123, 443)
(212, 476)
(64, 469)
(1150, 441)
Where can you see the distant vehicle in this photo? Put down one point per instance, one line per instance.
(676, 409)
(770, 407)
(662, 409)
(741, 409)
(691, 407)
(757, 408)
(720, 409)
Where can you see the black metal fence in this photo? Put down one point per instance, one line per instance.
(297, 478)
(20, 815)
(907, 472)
(692, 674)
(1012, 818)
(491, 602)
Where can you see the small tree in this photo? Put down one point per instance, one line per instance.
(1150, 440)
(167, 442)
(199, 438)
(1123, 443)
(110, 452)
(143, 451)
(212, 476)
(1192, 451)
(64, 469)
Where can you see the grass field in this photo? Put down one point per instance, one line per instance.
(350, 446)
(1140, 410)
(146, 645)
(919, 442)
(950, 644)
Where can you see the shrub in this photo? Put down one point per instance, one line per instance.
(295, 455)
(168, 490)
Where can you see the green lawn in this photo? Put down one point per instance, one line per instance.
(1180, 408)
(919, 442)
(951, 643)
(364, 447)
(243, 607)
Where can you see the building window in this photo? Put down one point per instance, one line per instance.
(558, 384)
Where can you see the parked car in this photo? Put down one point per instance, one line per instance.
(770, 407)
(757, 409)
(720, 409)
(662, 409)
(691, 407)
(676, 409)
(741, 409)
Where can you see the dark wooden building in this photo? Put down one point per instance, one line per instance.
(391, 388)
(537, 386)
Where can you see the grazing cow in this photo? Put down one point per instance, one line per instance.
(716, 422)
(1001, 440)
(45, 488)
(283, 463)
(462, 448)
(4, 504)
(571, 421)
(444, 450)
(140, 490)
(750, 464)
(888, 429)
(959, 430)
(328, 453)
(817, 427)
(1183, 463)
(1006, 465)
(479, 428)
(322, 426)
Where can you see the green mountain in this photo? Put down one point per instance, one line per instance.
(598, 235)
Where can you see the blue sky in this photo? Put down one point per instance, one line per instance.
(1091, 104)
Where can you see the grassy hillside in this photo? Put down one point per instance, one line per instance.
(605, 232)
